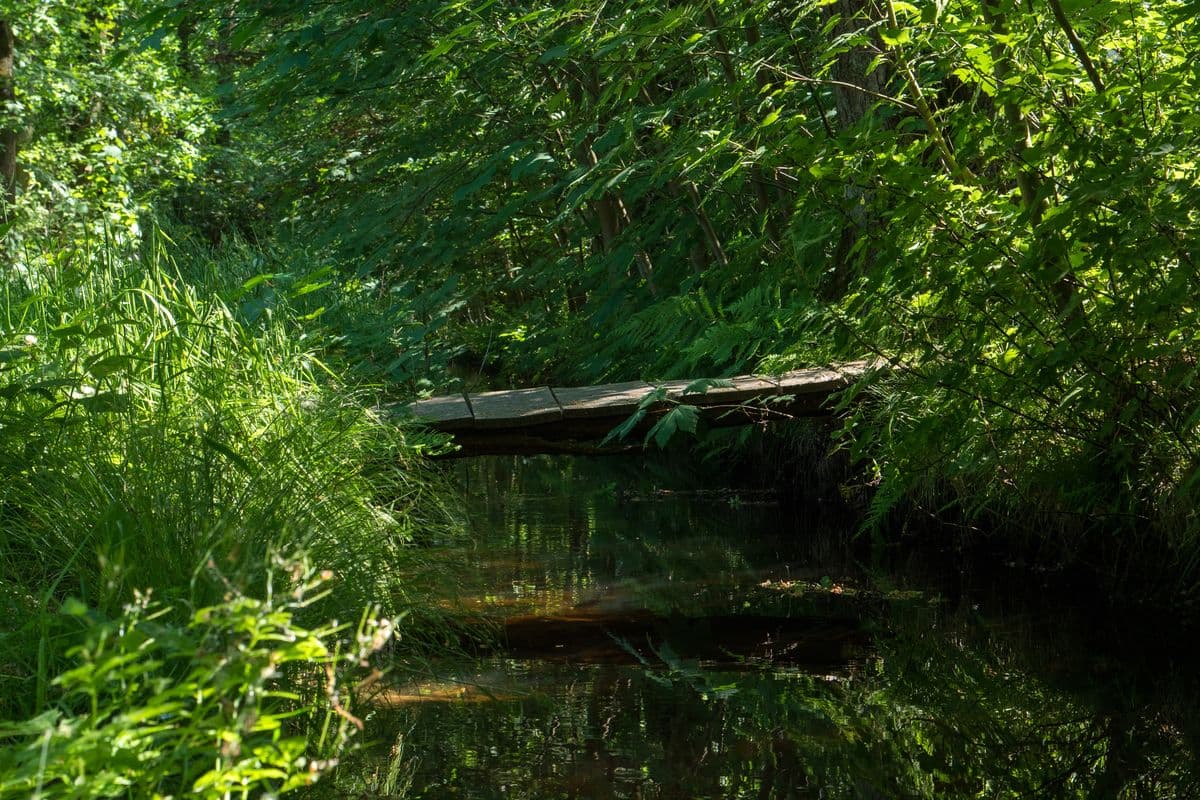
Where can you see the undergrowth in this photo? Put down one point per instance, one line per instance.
(160, 453)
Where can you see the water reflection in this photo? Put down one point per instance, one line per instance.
(635, 668)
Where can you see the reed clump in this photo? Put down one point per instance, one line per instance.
(165, 462)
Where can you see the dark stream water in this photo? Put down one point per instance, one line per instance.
(665, 637)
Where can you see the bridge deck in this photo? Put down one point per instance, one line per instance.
(574, 419)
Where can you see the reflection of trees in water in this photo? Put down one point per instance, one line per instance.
(940, 712)
(950, 705)
(955, 712)
(598, 530)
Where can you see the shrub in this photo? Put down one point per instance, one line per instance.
(232, 702)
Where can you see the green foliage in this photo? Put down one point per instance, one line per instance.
(238, 700)
(996, 198)
(171, 417)
(562, 174)
(993, 197)
(163, 416)
(1036, 312)
(154, 444)
(147, 431)
(104, 128)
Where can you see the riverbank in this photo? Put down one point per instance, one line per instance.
(191, 501)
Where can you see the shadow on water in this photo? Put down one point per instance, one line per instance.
(654, 637)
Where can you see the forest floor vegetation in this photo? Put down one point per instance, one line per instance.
(203, 532)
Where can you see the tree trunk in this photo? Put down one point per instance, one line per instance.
(758, 179)
(851, 67)
(8, 133)
(855, 93)
(610, 210)
(706, 226)
(225, 78)
(187, 26)
(1028, 178)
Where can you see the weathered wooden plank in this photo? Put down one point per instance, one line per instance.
(821, 379)
(742, 389)
(448, 413)
(515, 408)
(609, 400)
(574, 419)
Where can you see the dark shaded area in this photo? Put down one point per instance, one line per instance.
(726, 640)
(660, 634)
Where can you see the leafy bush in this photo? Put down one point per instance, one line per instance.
(240, 700)
(1034, 291)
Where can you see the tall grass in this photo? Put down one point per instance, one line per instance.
(152, 440)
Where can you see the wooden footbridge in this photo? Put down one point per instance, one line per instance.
(548, 419)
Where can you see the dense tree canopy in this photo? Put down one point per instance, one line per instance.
(230, 229)
(998, 198)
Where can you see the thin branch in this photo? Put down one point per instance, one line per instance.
(792, 76)
(957, 171)
(1060, 17)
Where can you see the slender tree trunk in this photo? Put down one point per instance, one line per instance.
(688, 194)
(8, 133)
(853, 67)
(1029, 180)
(1085, 61)
(225, 77)
(605, 210)
(710, 233)
(187, 26)
(763, 81)
(758, 179)
(611, 212)
(855, 91)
